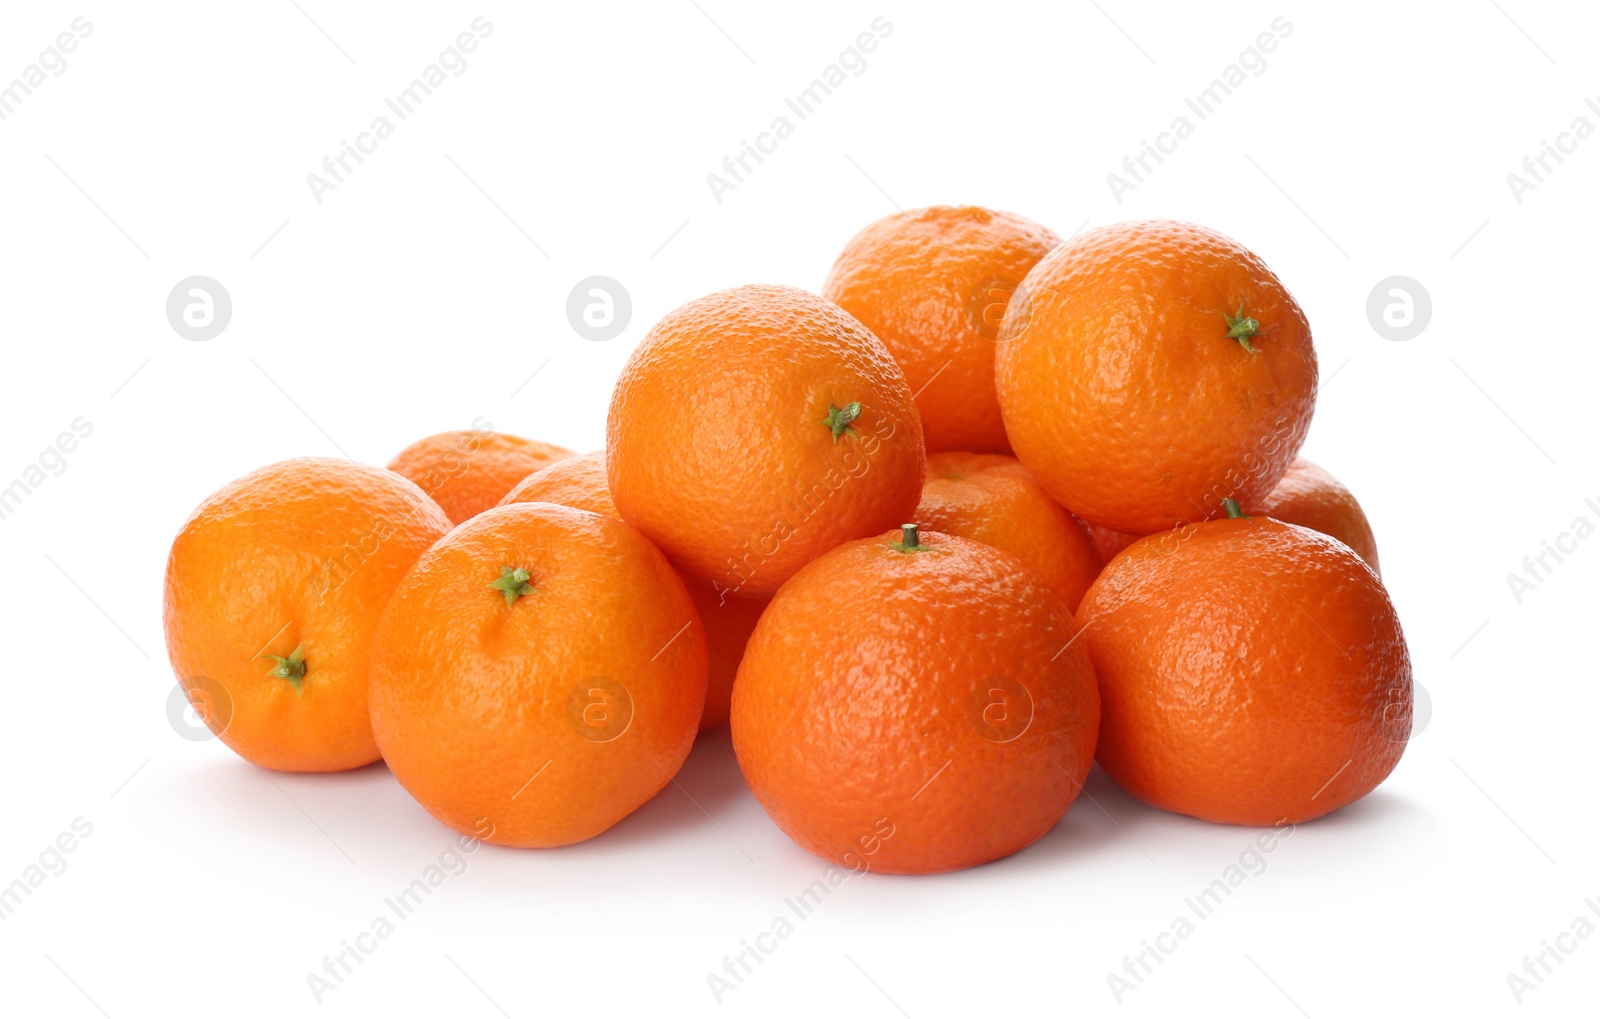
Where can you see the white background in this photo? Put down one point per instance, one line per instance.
(429, 287)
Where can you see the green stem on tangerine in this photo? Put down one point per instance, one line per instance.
(1234, 512)
(838, 421)
(909, 540)
(513, 583)
(292, 668)
(1241, 327)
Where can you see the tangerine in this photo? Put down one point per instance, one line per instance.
(1146, 371)
(273, 591)
(754, 429)
(539, 674)
(914, 702)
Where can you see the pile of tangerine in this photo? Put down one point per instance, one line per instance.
(991, 508)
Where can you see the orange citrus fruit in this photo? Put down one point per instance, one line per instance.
(581, 483)
(912, 703)
(993, 499)
(1307, 495)
(273, 591)
(466, 472)
(578, 481)
(1108, 542)
(1251, 672)
(754, 429)
(729, 621)
(933, 285)
(538, 675)
(1147, 371)
(1311, 497)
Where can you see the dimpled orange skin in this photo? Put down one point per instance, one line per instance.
(1251, 672)
(730, 620)
(1108, 542)
(861, 707)
(481, 708)
(1122, 391)
(466, 472)
(716, 446)
(581, 483)
(993, 499)
(1311, 497)
(1307, 495)
(303, 553)
(933, 284)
